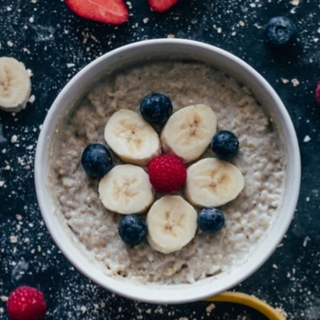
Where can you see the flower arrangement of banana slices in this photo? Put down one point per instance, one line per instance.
(167, 167)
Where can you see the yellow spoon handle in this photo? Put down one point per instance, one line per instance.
(250, 301)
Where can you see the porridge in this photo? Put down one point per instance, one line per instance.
(247, 218)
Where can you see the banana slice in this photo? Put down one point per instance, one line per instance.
(15, 85)
(189, 131)
(213, 182)
(172, 224)
(126, 189)
(131, 137)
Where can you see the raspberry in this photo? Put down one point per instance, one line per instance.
(26, 303)
(318, 93)
(167, 173)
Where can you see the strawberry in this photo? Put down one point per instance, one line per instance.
(161, 5)
(318, 93)
(26, 303)
(167, 173)
(107, 11)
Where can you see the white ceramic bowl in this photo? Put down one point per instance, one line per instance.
(131, 54)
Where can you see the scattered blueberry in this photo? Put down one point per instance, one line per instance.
(96, 160)
(156, 108)
(210, 220)
(133, 229)
(280, 31)
(225, 145)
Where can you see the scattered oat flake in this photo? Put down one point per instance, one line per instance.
(9, 43)
(13, 239)
(305, 241)
(295, 2)
(219, 30)
(18, 217)
(241, 23)
(14, 139)
(83, 309)
(210, 307)
(2, 183)
(285, 81)
(295, 82)
(306, 138)
(171, 36)
(70, 65)
(274, 266)
(4, 298)
(145, 20)
(32, 99)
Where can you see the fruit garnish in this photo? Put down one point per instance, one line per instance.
(161, 5)
(132, 229)
(280, 31)
(188, 132)
(167, 173)
(96, 160)
(26, 303)
(212, 182)
(156, 108)
(172, 224)
(15, 85)
(125, 189)
(210, 220)
(225, 145)
(106, 11)
(318, 93)
(131, 137)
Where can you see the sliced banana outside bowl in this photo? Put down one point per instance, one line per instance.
(15, 85)
(188, 132)
(126, 189)
(213, 182)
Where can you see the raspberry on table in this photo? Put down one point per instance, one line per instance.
(26, 303)
(167, 173)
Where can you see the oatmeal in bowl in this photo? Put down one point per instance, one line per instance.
(171, 165)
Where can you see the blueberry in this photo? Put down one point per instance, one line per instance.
(133, 229)
(225, 145)
(210, 220)
(280, 31)
(96, 160)
(156, 108)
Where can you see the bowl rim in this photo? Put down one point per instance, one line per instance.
(155, 294)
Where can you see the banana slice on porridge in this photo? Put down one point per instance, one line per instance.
(132, 138)
(126, 189)
(172, 224)
(213, 182)
(189, 131)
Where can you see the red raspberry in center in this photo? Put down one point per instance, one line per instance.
(167, 173)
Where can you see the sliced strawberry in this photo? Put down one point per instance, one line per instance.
(107, 11)
(161, 5)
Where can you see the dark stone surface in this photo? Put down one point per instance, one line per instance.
(55, 44)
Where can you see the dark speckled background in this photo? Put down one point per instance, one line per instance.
(55, 44)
